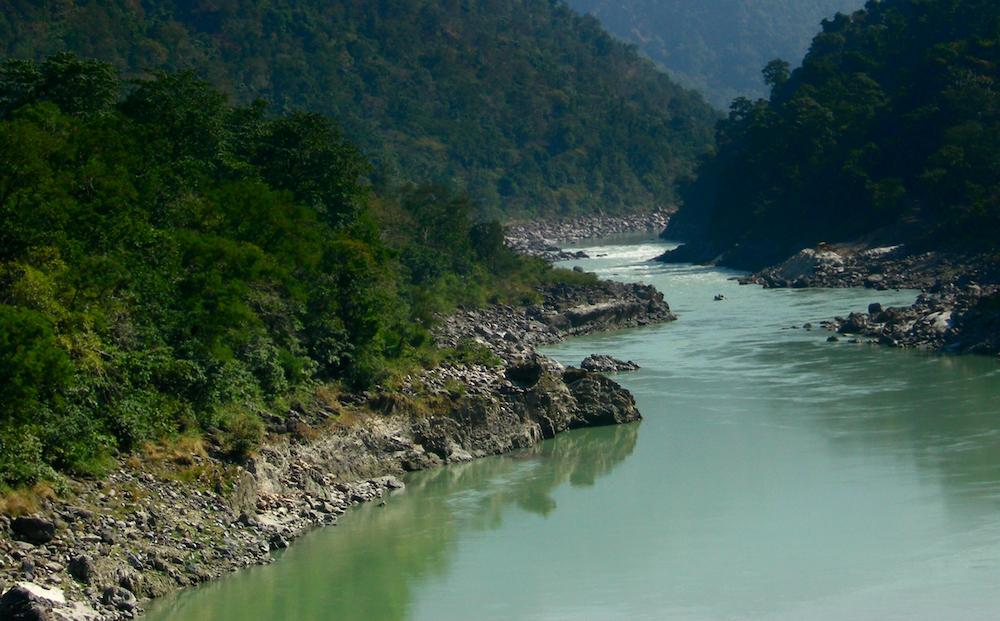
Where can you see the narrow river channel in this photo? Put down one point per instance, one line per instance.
(775, 476)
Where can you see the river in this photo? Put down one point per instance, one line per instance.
(776, 476)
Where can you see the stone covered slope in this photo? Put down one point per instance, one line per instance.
(888, 267)
(951, 319)
(541, 238)
(957, 311)
(513, 331)
(168, 522)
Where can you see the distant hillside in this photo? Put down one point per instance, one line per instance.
(527, 106)
(891, 126)
(717, 46)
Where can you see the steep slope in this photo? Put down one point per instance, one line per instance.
(891, 128)
(172, 264)
(524, 104)
(716, 46)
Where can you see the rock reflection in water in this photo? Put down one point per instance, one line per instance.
(368, 567)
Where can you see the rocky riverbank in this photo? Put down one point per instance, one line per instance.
(172, 518)
(514, 332)
(950, 319)
(958, 309)
(890, 267)
(542, 238)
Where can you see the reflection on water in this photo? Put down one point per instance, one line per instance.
(367, 568)
(776, 477)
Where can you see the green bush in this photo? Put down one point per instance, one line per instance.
(33, 368)
(239, 433)
(472, 352)
(21, 460)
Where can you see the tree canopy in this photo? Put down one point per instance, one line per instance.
(526, 106)
(891, 125)
(172, 263)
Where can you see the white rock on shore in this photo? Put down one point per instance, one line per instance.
(542, 238)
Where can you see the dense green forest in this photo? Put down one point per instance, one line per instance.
(171, 263)
(717, 46)
(526, 106)
(891, 125)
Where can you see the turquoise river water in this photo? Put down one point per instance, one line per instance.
(775, 477)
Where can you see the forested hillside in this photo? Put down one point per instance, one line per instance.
(172, 264)
(717, 46)
(892, 124)
(525, 105)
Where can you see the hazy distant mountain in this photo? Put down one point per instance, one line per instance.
(717, 46)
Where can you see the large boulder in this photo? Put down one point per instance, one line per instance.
(977, 329)
(20, 604)
(807, 263)
(601, 363)
(856, 323)
(120, 598)
(526, 373)
(82, 568)
(34, 530)
(599, 400)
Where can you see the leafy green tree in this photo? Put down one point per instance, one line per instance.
(307, 154)
(77, 86)
(891, 125)
(182, 115)
(487, 240)
(34, 370)
(776, 73)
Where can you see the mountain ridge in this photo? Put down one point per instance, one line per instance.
(526, 106)
(716, 47)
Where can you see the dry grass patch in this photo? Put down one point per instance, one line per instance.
(18, 502)
(328, 397)
(182, 451)
(304, 433)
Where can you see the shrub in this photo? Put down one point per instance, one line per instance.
(33, 368)
(472, 352)
(21, 461)
(240, 432)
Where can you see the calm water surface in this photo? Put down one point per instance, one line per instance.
(776, 476)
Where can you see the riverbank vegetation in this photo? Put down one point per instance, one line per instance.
(892, 124)
(527, 106)
(171, 264)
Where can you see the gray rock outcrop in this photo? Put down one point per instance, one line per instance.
(961, 320)
(542, 238)
(19, 604)
(601, 363)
